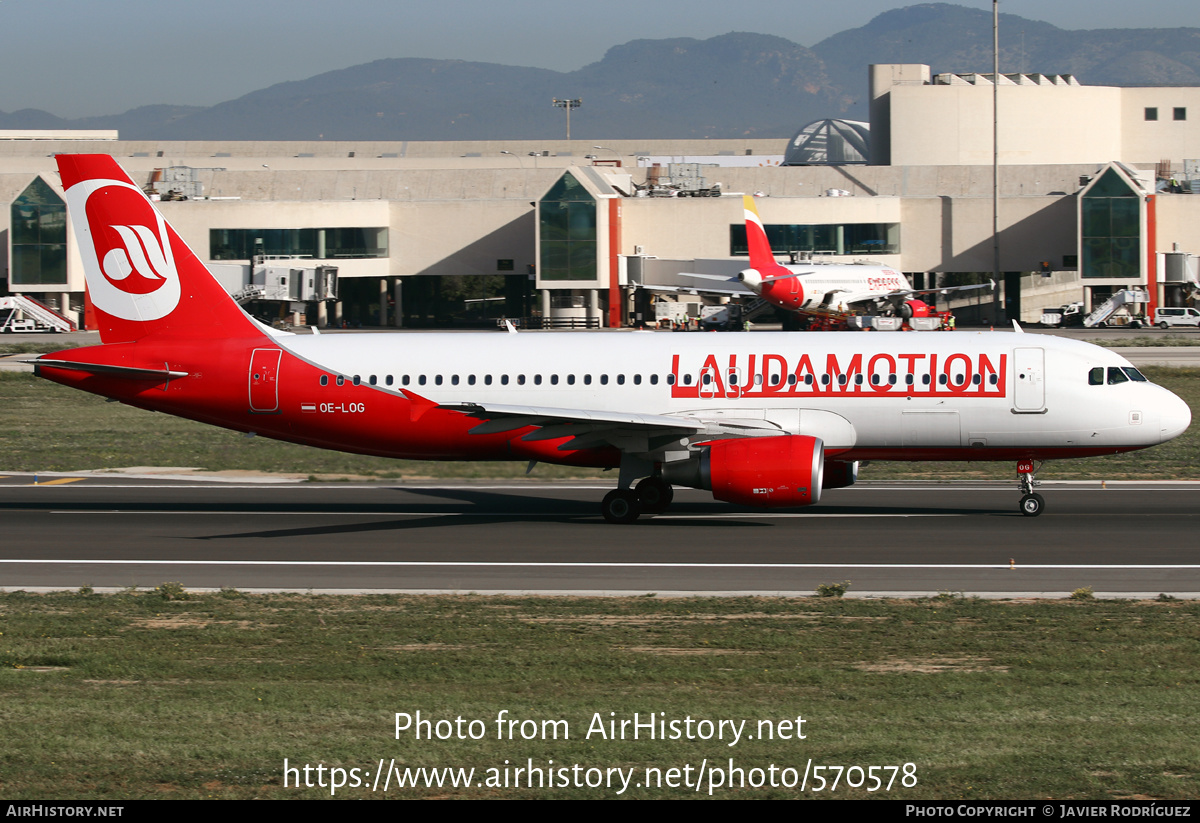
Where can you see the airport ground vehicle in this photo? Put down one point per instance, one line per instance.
(768, 419)
(1166, 318)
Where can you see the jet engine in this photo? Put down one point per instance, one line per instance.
(916, 308)
(756, 471)
(840, 474)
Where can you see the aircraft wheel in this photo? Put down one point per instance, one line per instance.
(1032, 505)
(621, 506)
(654, 495)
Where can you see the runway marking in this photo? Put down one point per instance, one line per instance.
(594, 564)
(696, 516)
(59, 482)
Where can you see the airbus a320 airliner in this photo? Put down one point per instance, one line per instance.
(766, 419)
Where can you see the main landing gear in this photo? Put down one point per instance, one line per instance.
(651, 495)
(1032, 503)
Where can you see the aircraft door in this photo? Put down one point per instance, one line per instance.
(264, 381)
(1029, 389)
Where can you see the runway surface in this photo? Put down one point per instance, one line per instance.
(1129, 539)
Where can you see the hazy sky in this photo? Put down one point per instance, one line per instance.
(76, 58)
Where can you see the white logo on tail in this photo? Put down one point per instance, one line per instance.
(126, 250)
(142, 254)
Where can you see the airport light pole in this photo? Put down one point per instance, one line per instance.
(568, 105)
(520, 162)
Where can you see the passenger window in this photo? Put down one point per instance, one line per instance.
(733, 378)
(372, 380)
(537, 380)
(976, 380)
(554, 380)
(324, 380)
(925, 379)
(670, 380)
(637, 380)
(891, 379)
(470, 380)
(993, 379)
(1115, 376)
(341, 381)
(487, 380)
(858, 379)
(388, 380)
(520, 380)
(654, 380)
(942, 379)
(604, 380)
(570, 380)
(587, 380)
(620, 380)
(824, 380)
(908, 378)
(808, 379)
(504, 380)
(791, 379)
(404, 380)
(874, 380)
(687, 380)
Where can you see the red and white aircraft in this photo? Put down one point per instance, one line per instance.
(827, 290)
(760, 419)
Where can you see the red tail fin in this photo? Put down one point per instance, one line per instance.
(142, 279)
(756, 238)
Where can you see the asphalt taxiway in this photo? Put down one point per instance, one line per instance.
(1122, 539)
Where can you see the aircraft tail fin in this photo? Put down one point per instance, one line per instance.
(142, 278)
(756, 238)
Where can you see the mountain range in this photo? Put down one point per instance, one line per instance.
(734, 85)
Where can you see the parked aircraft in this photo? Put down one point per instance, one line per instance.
(825, 290)
(766, 419)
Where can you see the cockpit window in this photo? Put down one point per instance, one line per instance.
(1134, 374)
(1096, 376)
(1115, 376)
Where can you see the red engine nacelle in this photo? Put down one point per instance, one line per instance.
(765, 471)
(917, 308)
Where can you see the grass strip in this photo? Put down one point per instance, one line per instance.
(162, 694)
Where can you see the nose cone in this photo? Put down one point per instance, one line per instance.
(1174, 416)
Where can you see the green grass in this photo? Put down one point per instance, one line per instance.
(47, 427)
(133, 695)
(1164, 341)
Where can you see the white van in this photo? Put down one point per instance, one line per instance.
(1165, 318)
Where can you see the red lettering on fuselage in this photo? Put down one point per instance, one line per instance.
(750, 376)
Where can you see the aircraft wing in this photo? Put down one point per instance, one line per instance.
(730, 292)
(641, 434)
(904, 293)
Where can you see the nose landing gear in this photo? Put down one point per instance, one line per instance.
(1032, 503)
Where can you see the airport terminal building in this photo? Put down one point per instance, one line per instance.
(1095, 195)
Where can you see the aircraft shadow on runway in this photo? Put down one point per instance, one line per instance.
(492, 507)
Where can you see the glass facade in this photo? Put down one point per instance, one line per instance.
(39, 238)
(322, 244)
(1111, 218)
(829, 238)
(567, 221)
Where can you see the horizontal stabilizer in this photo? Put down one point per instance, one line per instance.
(128, 372)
